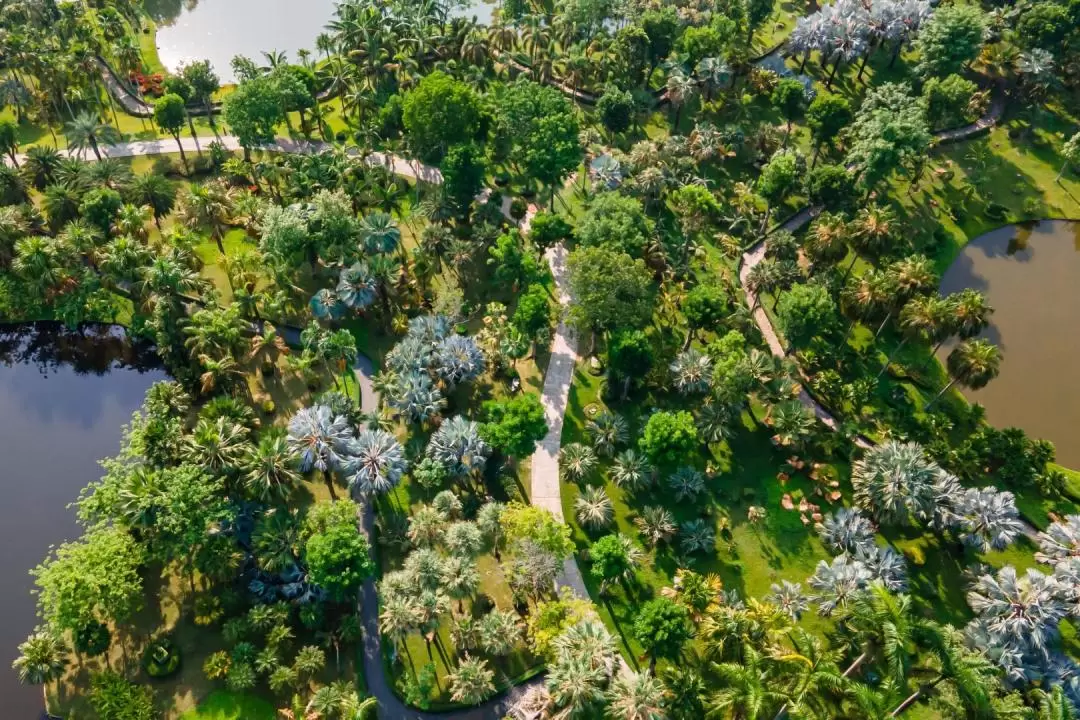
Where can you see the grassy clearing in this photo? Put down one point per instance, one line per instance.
(225, 705)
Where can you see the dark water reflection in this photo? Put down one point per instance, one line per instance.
(1031, 275)
(64, 396)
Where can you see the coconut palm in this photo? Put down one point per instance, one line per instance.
(472, 681)
(576, 461)
(593, 508)
(607, 430)
(815, 680)
(750, 689)
(206, 207)
(845, 530)
(376, 462)
(691, 372)
(789, 597)
(697, 536)
(631, 470)
(636, 696)
(42, 659)
(1054, 705)
(687, 483)
(500, 632)
(458, 446)
(320, 438)
(895, 483)
(270, 467)
(86, 130)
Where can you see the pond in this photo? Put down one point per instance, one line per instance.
(218, 30)
(1030, 274)
(64, 397)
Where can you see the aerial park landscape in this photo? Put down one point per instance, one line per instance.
(540, 359)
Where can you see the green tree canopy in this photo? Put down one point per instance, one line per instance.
(93, 579)
(252, 110)
(663, 628)
(806, 311)
(670, 438)
(609, 289)
(339, 559)
(439, 112)
(617, 222)
(463, 171)
(950, 39)
(514, 426)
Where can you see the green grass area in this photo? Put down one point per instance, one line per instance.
(226, 705)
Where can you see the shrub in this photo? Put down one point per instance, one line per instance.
(518, 208)
(161, 658)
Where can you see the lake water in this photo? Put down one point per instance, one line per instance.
(64, 396)
(1030, 275)
(218, 30)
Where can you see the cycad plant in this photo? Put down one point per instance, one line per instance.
(655, 524)
(687, 483)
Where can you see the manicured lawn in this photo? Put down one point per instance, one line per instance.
(225, 705)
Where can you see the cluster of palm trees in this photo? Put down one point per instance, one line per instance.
(847, 30)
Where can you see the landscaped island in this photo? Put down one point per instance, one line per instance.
(578, 365)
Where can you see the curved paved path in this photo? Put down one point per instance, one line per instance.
(756, 253)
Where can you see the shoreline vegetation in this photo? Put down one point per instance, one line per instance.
(380, 303)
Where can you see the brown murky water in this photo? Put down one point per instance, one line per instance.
(1031, 275)
(64, 397)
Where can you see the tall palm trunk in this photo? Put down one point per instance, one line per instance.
(938, 396)
(328, 477)
(889, 359)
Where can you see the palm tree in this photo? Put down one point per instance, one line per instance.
(870, 295)
(41, 165)
(217, 445)
(269, 467)
(379, 233)
(42, 659)
(593, 508)
(714, 74)
(631, 470)
(472, 681)
(973, 364)
(576, 461)
(925, 318)
(845, 530)
(357, 287)
(575, 684)
(457, 444)
(686, 483)
(608, 430)
(789, 597)
(156, 192)
(87, 131)
(681, 88)
(206, 207)
(751, 692)
(500, 632)
(636, 696)
(1054, 705)
(872, 231)
(887, 630)
(376, 462)
(399, 616)
(319, 437)
(816, 679)
(971, 313)
(691, 372)
(896, 483)
(655, 524)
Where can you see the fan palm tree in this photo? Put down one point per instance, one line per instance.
(576, 461)
(217, 445)
(42, 660)
(872, 232)
(380, 233)
(973, 364)
(636, 696)
(681, 89)
(576, 684)
(631, 470)
(896, 483)
(925, 318)
(608, 430)
(357, 287)
(593, 508)
(319, 437)
(691, 372)
(400, 616)
(472, 681)
(870, 295)
(971, 313)
(270, 467)
(457, 444)
(86, 130)
(655, 524)
(500, 632)
(376, 462)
